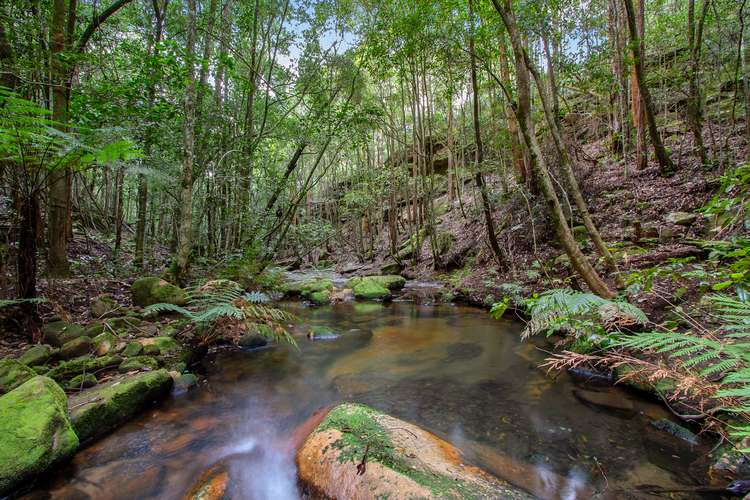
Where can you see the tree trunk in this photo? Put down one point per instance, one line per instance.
(523, 113)
(666, 167)
(185, 241)
(58, 194)
(119, 184)
(636, 101)
(694, 105)
(486, 205)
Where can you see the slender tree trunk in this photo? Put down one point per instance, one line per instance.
(486, 205)
(636, 101)
(515, 145)
(694, 106)
(523, 113)
(119, 200)
(666, 167)
(746, 80)
(185, 241)
(58, 194)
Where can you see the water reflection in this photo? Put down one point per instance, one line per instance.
(452, 370)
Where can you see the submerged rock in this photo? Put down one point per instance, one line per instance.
(97, 411)
(253, 340)
(322, 333)
(37, 355)
(357, 452)
(12, 374)
(676, 430)
(151, 290)
(608, 400)
(34, 431)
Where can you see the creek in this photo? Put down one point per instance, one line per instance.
(452, 370)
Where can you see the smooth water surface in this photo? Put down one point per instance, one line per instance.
(452, 370)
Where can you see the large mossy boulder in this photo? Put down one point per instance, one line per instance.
(58, 333)
(307, 288)
(403, 461)
(12, 374)
(151, 290)
(38, 355)
(34, 431)
(96, 411)
(375, 287)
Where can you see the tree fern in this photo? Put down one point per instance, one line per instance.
(223, 304)
(578, 313)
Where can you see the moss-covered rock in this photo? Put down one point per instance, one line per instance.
(321, 298)
(308, 287)
(103, 305)
(104, 343)
(58, 333)
(132, 349)
(138, 363)
(403, 461)
(12, 374)
(154, 290)
(37, 355)
(83, 381)
(97, 411)
(375, 287)
(69, 369)
(389, 281)
(76, 347)
(160, 346)
(34, 431)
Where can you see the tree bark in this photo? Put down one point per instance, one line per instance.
(523, 113)
(666, 167)
(694, 105)
(185, 231)
(478, 178)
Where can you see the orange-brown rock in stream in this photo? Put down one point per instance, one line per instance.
(212, 485)
(358, 453)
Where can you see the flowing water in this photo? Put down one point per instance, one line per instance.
(452, 370)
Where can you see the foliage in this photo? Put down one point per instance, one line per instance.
(577, 313)
(17, 302)
(222, 303)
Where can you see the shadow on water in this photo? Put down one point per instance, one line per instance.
(452, 370)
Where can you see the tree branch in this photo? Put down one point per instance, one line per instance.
(98, 21)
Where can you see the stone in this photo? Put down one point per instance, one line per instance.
(103, 305)
(609, 400)
(184, 382)
(681, 218)
(390, 281)
(12, 374)
(132, 349)
(404, 461)
(160, 346)
(58, 333)
(104, 343)
(94, 329)
(252, 340)
(308, 287)
(211, 485)
(138, 363)
(151, 290)
(322, 333)
(321, 298)
(37, 355)
(76, 347)
(83, 381)
(675, 430)
(35, 432)
(390, 267)
(69, 369)
(96, 411)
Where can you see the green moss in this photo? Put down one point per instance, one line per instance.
(368, 308)
(139, 363)
(360, 431)
(370, 289)
(82, 381)
(321, 298)
(154, 290)
(59, 332)
(70, 369)
(97, 411)
(12, 374)
(104, 343)
(308, 287)
(37, 355)
(132, 349)
(34, 431)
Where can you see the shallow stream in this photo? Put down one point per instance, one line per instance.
(452, 370)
